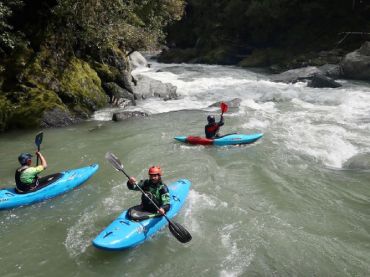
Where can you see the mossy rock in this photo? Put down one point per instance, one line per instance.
(42, 72)
(105, 72)
(81, 87)
(28, 112)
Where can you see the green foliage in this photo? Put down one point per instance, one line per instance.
(8, 38)
(99, 24)
(244, 25)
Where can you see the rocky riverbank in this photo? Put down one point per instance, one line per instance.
(54, 93)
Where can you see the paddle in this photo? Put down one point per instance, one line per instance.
(38, 140)
(224, 108)
(179, 232)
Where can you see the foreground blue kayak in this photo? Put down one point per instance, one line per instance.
(51, 186)
(232, 139)
(124, 233)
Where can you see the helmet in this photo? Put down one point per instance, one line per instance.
(154, 170)
(211, 119)
(24, 157)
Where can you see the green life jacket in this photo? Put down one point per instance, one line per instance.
(157, 192)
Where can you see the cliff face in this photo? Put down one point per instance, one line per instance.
(57, 57)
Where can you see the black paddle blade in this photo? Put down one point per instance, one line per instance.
(110, 157)
(179, 232)
(38, 139)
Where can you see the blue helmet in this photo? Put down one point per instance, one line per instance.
(211, 119)
(24, 157)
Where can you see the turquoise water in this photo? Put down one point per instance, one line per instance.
(286, 205)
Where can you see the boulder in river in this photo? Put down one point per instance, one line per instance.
(234, 103)
(295, 75)
(57, 118)
(148, 87)
(137, 60)
(119, 116)
(356, 65)
(321, 81)
(358, 162)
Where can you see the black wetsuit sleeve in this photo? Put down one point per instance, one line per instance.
(221, 122)
(208, 135)
(134, 187)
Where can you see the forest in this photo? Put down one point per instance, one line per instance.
(264, 32)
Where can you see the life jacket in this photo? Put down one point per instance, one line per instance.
(19, 185)
(211, 130)
(154, 192)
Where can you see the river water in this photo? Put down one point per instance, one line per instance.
(295, 203)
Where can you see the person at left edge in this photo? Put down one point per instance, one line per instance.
(26, 178)
(155, 189)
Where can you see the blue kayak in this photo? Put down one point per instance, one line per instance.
(231, 139)
(125, 233)
(50, 186)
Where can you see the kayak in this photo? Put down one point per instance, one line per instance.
(232, 139)
(125, 233)
(50, 186)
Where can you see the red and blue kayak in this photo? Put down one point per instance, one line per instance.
(231, 139)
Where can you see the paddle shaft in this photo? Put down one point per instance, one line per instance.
(38, 140)
(37, 158)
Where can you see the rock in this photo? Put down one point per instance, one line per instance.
(116, 92)
(235, 103)
(116, 58)
(295, 75)
(321, 81)
(331, 70)
(148, 87)
(358, 162)
(356, 65)
(124, 80)
(119, 116)
(57, 118)
(137, 60)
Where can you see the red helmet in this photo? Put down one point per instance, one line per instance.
(154, 170)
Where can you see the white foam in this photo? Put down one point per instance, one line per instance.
(235, 260)
(330, 125)
(79, 235)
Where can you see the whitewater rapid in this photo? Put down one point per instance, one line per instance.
(328, 125)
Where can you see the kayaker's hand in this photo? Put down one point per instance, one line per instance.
(161, 211)
(132, 181)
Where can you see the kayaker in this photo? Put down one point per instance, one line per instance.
(155, 189)
(213, 127)
(26, 178)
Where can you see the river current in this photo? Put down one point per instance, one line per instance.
(295, 203)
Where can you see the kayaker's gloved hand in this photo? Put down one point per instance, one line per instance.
(132, 181)
(161, 211)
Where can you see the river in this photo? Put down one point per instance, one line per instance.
(295, 203)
